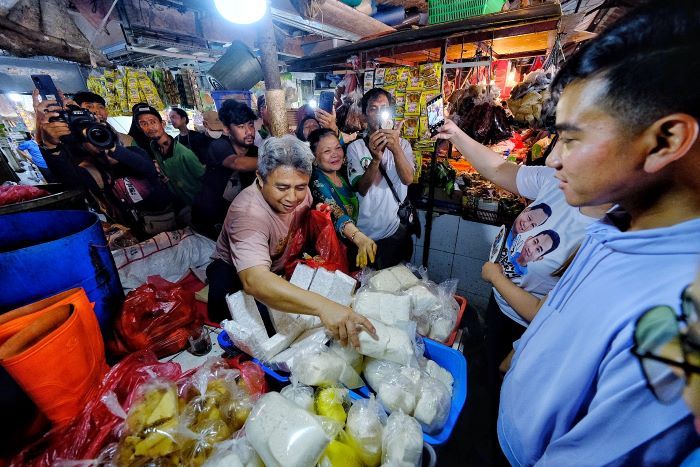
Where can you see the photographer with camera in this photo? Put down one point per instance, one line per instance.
(84, 152)
(97, 105)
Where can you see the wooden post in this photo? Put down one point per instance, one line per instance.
(274, 94)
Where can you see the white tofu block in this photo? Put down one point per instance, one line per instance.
(350, 378)
(303, 276)
(422, 299)
(385, 281)
(439, 373)
(322, 282)
(284, 434)
(275, 345)
(402, 441)
(290, 323)
(440, 329)
(405, 276)
(303, 396)
(413, 374)
(348, 353)
(323, 368)
(392, 344)
(394, 397)
(342, 288)
(423, 325)
(433, 404)
(317, 335)
(394, 309)
(368, 304)
(244, 310)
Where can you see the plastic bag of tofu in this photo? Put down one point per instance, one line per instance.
(320, 366)
(444, 317)
(433, 403)
(364, 428)
(402, 441)
(301, 394)
(284, 434)
(393, 279)
(396, 385)
(395, 343)
(235, 452)
(391, 308)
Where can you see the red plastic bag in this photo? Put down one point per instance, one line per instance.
(10, 194)
(252, 374)
(158, 315)
(97, 425)
(316, 237)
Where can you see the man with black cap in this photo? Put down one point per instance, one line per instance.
(98, 106)
(231, 163)
(177, 163)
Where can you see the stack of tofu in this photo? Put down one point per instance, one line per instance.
(247, 330)
(395, 295)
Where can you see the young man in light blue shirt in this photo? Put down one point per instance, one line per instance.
(628, 128)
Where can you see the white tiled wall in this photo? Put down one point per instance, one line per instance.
(458, 249)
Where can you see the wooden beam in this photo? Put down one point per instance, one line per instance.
(24, 42)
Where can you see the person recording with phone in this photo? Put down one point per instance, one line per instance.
(380, 168)
(84, 152)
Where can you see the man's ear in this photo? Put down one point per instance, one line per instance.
(258, 178)
(669, 139)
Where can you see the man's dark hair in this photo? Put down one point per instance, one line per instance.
(544, 207)
(317, 135)
(555, 239)
(181, 113)
(89, 97)
(373, 95)
(233, 112)
(645, 61)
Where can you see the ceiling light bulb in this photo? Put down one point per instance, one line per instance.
(241, 11)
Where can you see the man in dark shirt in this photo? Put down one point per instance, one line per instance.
(231, 163)
(213, 129)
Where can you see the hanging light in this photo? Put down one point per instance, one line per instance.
(241, 11)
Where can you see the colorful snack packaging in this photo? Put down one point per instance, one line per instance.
(410, 128)
(415, 83)
(391, 76)
(412, 107)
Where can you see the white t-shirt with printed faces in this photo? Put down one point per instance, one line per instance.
(542, 237)
(378, 216)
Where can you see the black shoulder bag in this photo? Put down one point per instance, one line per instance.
(408, 216)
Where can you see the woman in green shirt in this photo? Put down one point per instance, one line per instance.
(328, 187)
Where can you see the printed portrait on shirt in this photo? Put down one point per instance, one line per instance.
(528, 241)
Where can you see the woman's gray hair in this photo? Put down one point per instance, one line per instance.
(285, 151)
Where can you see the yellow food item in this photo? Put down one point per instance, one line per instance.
(341, 455)
(329, 403)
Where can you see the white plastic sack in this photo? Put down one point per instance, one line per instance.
(169, 255)
(433, 405)
(392, 343)
(301, 395)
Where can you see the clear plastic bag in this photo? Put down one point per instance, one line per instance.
(444, 317)
(364, 428)
(301, 394)
(234, 453)
(284, 434)
(402, 440)
(331, 402)
(319, 366)
(348, 353)
(151, 425)
(433, 404)
(389, 308)
(396, 386)
(393, 343)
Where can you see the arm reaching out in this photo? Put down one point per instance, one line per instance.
(488, 163)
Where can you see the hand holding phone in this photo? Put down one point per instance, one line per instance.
(436, 114)
(326, 100)
(47, 88)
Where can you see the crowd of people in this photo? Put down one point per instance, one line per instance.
(611, 236)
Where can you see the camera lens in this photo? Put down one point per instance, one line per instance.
(100, 136)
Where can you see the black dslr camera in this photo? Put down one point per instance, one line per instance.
(84, 127)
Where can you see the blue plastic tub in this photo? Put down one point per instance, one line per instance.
(447, 357)
(43, 253)
(226, 344)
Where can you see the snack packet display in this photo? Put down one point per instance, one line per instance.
(412, 106)
(430, 75)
